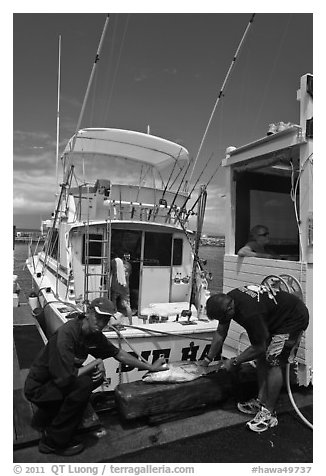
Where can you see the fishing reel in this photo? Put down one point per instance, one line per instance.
(187, 313)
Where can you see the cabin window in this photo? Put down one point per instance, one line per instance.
(157, 249)
(177, 251)
(265, 200)
(126, 241)
(94, 250)
(53, 245)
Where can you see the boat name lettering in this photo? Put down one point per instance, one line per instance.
(187, 353)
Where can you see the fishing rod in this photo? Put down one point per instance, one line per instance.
(167, 183)
(177, 193)
(222, 89)
(176, 178)
(191, 209)
(200, 221)
(193, 188)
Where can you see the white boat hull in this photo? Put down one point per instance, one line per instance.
(175, 340)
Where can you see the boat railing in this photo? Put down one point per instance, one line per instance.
(122, 202)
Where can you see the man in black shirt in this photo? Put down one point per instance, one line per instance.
(274, 321)
(60, 385)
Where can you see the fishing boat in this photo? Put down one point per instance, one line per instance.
(269, 182)
(150, 220)
(94, 220)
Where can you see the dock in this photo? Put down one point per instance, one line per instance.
(27, 342)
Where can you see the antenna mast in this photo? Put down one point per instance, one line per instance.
(58, 112)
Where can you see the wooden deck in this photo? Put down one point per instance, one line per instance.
(28, 340)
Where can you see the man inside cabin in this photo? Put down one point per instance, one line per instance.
(120, 293)
(60, 385)
(274, 321)
(257, 244)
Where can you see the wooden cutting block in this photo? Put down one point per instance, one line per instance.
(140, 399)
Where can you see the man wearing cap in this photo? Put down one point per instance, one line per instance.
(60, 385)
(274, 321)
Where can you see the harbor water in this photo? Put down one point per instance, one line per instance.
(213, 255)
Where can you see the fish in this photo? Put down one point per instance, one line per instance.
(178, 372)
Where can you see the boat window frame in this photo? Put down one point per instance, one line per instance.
(149, 260)
(247, 181)
(177, 253)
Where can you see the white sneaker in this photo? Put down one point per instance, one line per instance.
(251, 407)
(262, 421)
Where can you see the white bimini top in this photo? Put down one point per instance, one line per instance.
(135, 146)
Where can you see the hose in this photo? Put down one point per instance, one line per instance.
(292, 399)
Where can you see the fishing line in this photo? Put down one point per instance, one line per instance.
(222, 90)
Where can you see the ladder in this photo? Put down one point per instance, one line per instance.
(103, 288)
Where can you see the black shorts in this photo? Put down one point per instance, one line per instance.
(282, 348)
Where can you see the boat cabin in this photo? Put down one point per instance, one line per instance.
(269, 182)
(101, 219)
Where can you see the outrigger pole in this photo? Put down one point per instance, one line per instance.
(58, 112)
(97, 58)
(222, 90)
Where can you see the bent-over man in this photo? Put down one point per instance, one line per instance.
(274, 321)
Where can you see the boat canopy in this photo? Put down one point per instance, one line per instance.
(135, 146)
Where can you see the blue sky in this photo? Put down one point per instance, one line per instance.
(161, 70)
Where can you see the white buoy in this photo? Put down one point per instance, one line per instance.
(33, 300)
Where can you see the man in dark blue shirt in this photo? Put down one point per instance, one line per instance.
(274, 321)
(60, 385)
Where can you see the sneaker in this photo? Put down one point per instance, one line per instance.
(262, 421)
(47, 447)
(251, 407)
